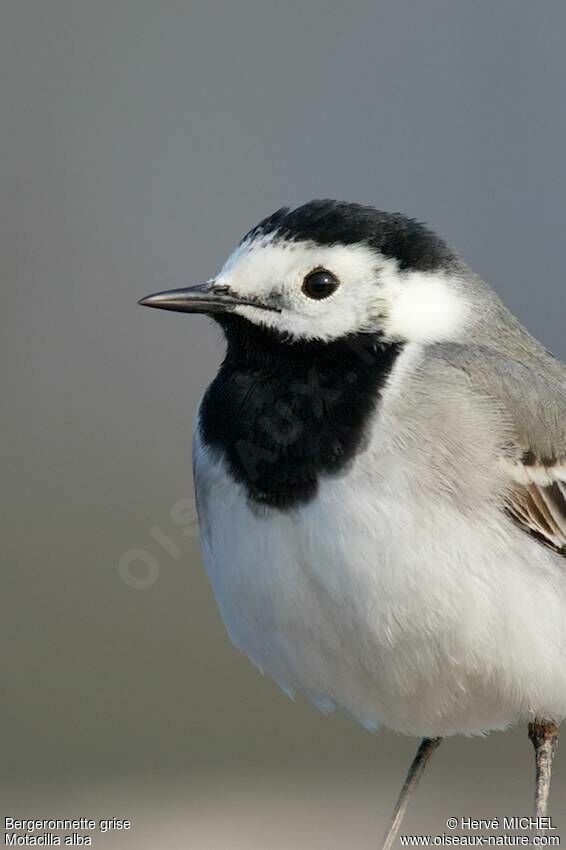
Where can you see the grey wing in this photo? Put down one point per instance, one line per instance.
(533, 404)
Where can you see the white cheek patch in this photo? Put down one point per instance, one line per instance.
(424, 307)
(270, 267)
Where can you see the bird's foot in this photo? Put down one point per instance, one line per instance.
(544, 735)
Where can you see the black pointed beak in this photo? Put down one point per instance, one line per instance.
(202, 298)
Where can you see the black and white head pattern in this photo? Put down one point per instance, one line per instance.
(329, 269)
(340, 290)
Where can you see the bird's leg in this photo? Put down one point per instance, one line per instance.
(416, 770)
(544, 735)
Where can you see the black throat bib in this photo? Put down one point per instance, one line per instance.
(283, 413)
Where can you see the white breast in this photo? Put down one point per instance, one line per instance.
(387, 598)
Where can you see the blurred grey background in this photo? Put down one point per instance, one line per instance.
(139, 141)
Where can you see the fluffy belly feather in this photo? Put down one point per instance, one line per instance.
(452, 624)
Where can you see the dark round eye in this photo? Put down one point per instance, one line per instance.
(319, 284)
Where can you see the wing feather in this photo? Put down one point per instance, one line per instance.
(531, 399)
(540, 510)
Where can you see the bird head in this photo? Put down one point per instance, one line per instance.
(328, 270)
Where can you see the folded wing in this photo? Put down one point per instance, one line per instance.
(531, 400)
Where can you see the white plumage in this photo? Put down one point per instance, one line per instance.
(400, 594)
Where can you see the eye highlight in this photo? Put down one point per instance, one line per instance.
(320, 284)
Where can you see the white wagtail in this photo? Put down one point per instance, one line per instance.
(380, 471)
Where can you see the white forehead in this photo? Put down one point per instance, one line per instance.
(373, 293)
(268, 264)
(274, 267)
